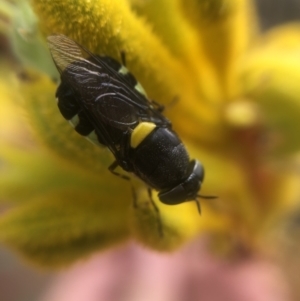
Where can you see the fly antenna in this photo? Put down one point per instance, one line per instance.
(203, 197)
(207, 196)
(198, 205)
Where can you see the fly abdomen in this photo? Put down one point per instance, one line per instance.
(160, 159)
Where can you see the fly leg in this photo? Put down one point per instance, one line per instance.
(123, 57)
(112, 168)
(159, 107)
(157, 212)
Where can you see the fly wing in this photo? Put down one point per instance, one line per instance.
(64, 51)
(97, 79)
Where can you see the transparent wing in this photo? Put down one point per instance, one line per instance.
(104, 90)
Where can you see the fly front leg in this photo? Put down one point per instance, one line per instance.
(157, 212)
(112, 168)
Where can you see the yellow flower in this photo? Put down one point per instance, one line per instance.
(237, 113)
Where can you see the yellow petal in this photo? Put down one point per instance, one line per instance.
(226, 29)
(165, 229)
(270, 77)
(170, 24)
(60, 227)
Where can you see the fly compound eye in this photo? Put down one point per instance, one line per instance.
(188, 189)
(175, 196)
(197, 170)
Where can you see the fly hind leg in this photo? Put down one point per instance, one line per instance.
(112, 168)
(157, 212)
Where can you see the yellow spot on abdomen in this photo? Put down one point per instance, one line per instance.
(141, 132)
